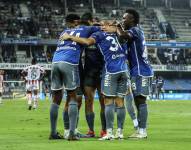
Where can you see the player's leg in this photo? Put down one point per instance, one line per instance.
(141, 89)
(102, 111)
(121, 114)
(57, 94)
(29, 99)
(1, 97)
(35, 98)
(130, 107)
(119, 102)
(109, 115)
(89, 110)
(109, 89)
(71, 82)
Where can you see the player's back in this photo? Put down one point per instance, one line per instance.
(113, 52)
(34, 72)
(69, 51)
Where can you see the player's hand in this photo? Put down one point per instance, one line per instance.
(65, 36)
(110, 29)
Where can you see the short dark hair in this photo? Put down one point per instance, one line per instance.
(34, 61)
(86, 17)
(135, 15)
(72, 17)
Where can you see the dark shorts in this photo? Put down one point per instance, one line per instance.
(115, 84)
(64, 75)
(141, 85)
(92, 77)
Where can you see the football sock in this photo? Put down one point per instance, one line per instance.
(29, 97)
(135, 123)
(143, 114)
(66, 120)
(121, 113)
(90, 120)
(0, 99)
(35, 101)
(103, 121)
(109, 115)
(53, 117)
(129, 105)
(73, 114)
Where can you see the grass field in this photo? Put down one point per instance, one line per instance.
(169, 128)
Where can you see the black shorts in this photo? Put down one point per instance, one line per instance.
(92, 77)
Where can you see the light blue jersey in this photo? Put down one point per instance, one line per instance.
(69, 51)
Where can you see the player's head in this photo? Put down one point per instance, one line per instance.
(1, 72)
(34, 61)
(72, 20)
(130, 18)
(87, 19)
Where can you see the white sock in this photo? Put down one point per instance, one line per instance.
(135, 123)
(29, 98)
(142, 130)
(35, 98)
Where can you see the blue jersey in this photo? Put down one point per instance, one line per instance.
(69, 51)
(112, 51)
(137, 55)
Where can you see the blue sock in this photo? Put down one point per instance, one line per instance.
(73, 115)
(121, 114)
(66, 120)
(53, 117)
(129, 105)
(90, 120)
(143, 114)
(109, 115)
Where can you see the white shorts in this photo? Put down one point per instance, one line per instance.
(32, 86)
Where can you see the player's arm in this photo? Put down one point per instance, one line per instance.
(84, 41)
(119, 30)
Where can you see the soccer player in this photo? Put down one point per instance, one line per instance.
(159, 85)
(140, 69)
(65, 73)
(1, 85)
(93, 65)
(115, 76)
(33, 75)
(154, 88)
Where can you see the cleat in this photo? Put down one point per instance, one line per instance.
(108, 136)
(139, 134)
(57, 136)
(119, 134)
(90, 134)
(103, 133)
(73, 137)
(30, 107)
(80, 135)
(66, 134)
(134, 134)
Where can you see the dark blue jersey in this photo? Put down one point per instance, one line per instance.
(69, 51)
(112, 51)
(137, 55)
(93, 58)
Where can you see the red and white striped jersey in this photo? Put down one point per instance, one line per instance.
(33, 72)
(1, 81)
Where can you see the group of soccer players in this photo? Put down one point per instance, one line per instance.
(116, 65)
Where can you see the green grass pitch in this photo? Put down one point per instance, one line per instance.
(169, 128)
